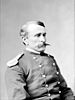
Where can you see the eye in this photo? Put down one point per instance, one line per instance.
(38, 35)
(44, 34)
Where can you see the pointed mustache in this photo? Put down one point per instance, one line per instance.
(46, 44)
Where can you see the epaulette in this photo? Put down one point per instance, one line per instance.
(15, 60)
(50, 56)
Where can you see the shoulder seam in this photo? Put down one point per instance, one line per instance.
(15, 60)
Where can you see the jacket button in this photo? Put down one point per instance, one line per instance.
(53, 64)
(59, 91)
(46, 85)
(43, 75)
(40, 65)
(57, 72)
(49, 94)
(34, 57)
(58, 82)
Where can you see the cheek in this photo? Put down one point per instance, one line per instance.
(33, 42)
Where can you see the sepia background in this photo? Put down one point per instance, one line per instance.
(58, 16)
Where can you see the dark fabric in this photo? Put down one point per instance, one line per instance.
(36, 77)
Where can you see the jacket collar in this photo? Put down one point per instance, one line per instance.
(33, 51)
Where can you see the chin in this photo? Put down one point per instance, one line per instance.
(41, 49)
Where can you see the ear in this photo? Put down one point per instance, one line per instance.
(25, 40)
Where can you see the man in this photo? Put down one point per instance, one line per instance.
(35, 75)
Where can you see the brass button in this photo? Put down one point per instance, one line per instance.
(53, 64)
(49, 94)
(40, 65)
(46, 85)
(59, 91)
(43, 75)
(57, 72)
(34, 57)
(58, 82)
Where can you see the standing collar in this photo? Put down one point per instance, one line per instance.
(33, 51)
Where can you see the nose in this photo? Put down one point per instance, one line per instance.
(42, 38)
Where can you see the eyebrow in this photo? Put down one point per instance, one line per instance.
(40, 33)
(45, 33)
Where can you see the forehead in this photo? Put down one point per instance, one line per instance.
(35, 29)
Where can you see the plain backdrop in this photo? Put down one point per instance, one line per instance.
(58, 16)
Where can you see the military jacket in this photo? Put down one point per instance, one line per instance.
(32, 76)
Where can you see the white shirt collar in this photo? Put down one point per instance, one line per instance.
(31, 50)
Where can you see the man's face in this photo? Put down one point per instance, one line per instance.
(36, 38)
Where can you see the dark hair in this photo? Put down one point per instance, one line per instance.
(24, 32)
(40, 23)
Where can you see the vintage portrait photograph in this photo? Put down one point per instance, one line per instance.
(37, 50)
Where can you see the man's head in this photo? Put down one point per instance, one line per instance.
(34, 35)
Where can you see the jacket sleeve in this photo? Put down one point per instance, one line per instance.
(66, 92)
(15, 83)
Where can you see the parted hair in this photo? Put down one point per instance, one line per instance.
(24, 31)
